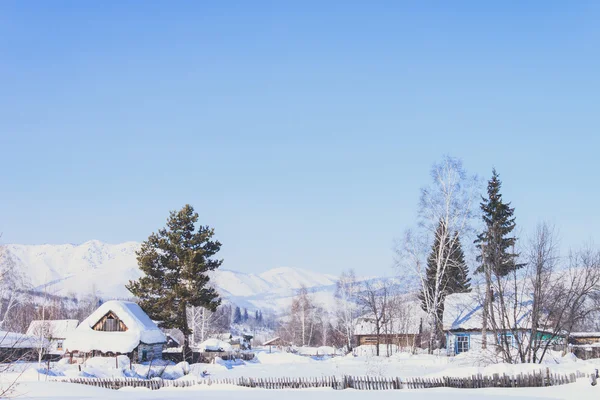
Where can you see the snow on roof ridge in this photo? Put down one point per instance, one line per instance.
(140, 329)
(57, 328)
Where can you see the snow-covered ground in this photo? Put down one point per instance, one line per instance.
(404, 365)
(38, 383)
(54, 391)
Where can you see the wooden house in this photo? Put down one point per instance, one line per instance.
(585, 345)
(117, 327)
(19, 347)
(404, 329)
(462, 323)
(172, 342)
(55, 331)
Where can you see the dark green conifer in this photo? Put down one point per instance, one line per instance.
(495, 243)
(176, 262)
(455, 272)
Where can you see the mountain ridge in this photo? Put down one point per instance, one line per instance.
(102, 268)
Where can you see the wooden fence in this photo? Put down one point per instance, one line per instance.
(535, 379)
(208, 357)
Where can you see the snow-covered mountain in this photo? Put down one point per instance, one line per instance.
(104, 268)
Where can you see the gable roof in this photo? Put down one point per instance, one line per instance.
(57, 329)
(464, 311)
(272, 342)
(140, 328)
(408, 323)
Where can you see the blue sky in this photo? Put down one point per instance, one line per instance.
(302, 131)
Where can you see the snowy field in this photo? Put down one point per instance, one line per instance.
(51, 391)
(37, 383)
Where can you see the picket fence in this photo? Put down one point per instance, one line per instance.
(534, 379)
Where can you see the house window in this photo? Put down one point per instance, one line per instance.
(110, 324)
(462, 343)
(506, 338)
(59, 345)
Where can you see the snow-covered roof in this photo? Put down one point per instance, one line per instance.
(140, 328)
(214, 345)
(56, 329)
(585, 334)
(407, 322)
(464, 311)
(272, 341)
(13, 340)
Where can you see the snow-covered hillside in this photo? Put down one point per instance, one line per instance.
(106, 268)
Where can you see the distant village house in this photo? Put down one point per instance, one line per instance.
(585, 345)
(404, 329)
(55, 331)
(463, 323)
(19, 347)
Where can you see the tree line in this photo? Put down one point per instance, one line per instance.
(525, 280)
(506, 273)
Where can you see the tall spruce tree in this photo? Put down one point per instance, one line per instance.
(495, 246)
(245, 314)
(495, 242)
(175, 262)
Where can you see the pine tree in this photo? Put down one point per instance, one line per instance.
(455, 277)
(256, 315)
(175, 262)
(495, 244)
(237, 316)
(245, 314)
(260, 317)
(460, 282)
(429, 290)
(495, 241)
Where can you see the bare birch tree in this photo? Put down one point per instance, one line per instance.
(303, 324)
(374, 298)
(446, 209)
(205, 323)
(12, 287)
(346, 307)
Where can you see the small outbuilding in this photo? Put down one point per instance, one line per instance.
(55, 331)
(276, 342)
(585, 345)
(117, 327)
(403, 330)
(19, 347)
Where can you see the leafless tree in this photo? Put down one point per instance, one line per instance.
(346, 307)
(537, 305)
(374, 298)
(205, 323)
(10, 298)
(302, 326)
(12, 287)
(447, 203)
